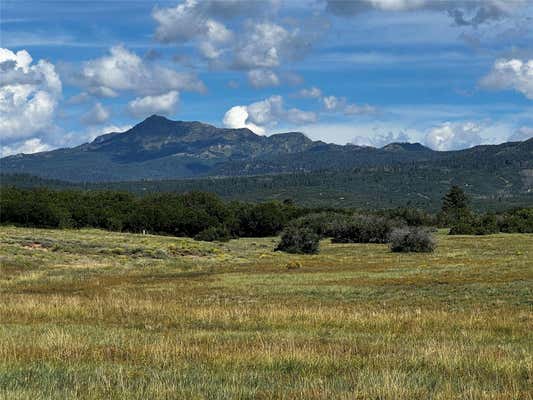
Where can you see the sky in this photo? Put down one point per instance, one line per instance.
(448, 74)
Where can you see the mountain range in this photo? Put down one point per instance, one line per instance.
(158, 148)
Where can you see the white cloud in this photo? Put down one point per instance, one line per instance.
(269, 45)
(261, 46)
(28, 94)
(311, 93)
(297, 116)
(261, 78)
(98, 114)
(361, 132)
(191, 21)
(237, 117)
(165, 104)
(123, 70)
(187, 21)
(511, 74)
(27, 147)
(340, 104)
(466, 130)
(261, 115)
(453, 136)
(266, 112)
(256, 42)
(463, 12)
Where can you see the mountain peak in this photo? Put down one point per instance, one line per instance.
(153, 120)
(157, 137)
(405, 146)
(155, 117)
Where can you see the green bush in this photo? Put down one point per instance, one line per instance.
(517, 221)
(214, 234)
(462, 228)
(298, 240)
(476, 225)
(363, 229)
(323, 223)
(412, 239)
(411, 216)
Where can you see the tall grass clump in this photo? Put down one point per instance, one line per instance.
(412, 240)
(298, 240)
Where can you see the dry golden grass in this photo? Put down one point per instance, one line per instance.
(91, 314)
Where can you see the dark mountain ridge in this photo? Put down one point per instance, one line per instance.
(158, 148)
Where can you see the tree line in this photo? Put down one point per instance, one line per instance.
(189, 214)
(205, 216)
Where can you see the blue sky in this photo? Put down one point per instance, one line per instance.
(449, 74)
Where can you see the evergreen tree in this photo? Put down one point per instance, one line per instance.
(455, 206)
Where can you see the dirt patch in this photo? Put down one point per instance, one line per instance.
(35, 246)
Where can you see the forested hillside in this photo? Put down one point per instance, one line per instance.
(376, 188)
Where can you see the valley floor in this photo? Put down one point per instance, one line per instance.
(90, 315)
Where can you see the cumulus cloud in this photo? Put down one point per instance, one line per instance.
(454, 136)
(463, 12)
(256, 42)
(196, 21)
(340, 104)
(261, 46)
(237, 117)
(98, 114)
(28, 146)
(164, 104)
(29, 94)
(123, 70)
(266, 113)
(261, 78)
(511, 74)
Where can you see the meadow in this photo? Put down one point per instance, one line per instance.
(90, 314)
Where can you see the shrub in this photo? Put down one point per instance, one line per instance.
(323, 223)
(411, 216)
(476, 225)
(517, 221)
(412, 239)
(364, 229)
(462, 228)
(218, 233)
(260, 220)
(299, 240)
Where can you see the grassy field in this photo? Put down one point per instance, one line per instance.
(91, 315)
